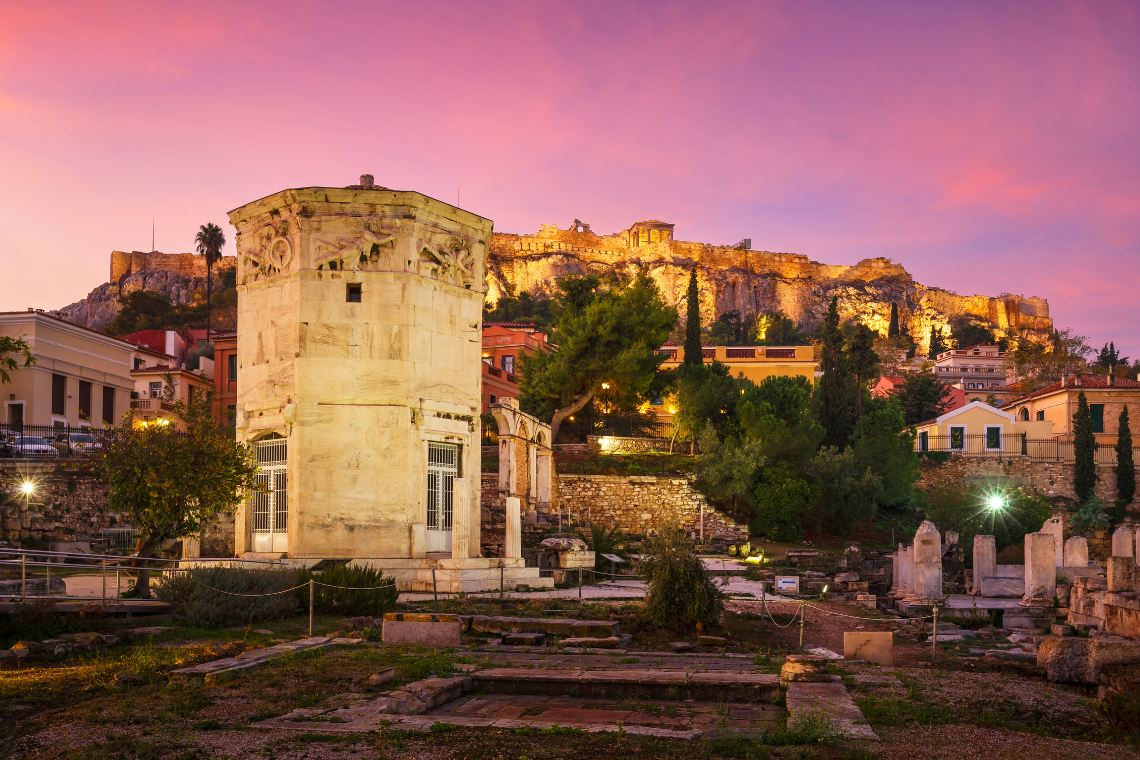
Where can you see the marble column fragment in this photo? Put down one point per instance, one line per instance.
(1040, 570)
(927, 562)
(513, 548)
(1077, 552)
(985, 560)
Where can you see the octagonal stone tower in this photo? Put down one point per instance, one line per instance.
(359, 342)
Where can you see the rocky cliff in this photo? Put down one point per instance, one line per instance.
(751, 282)
(176, 275)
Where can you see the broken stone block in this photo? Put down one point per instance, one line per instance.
(1060, 630)
(26, 648)
(127, 679)
(415, 632)
(805, 667)
(712, 641)
(680, 646)
(524, 639)
(876, 647)
(846, 577)
(263, 632)
(63, 648)
(1012, 655)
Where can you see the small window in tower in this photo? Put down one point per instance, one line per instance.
(354, 293)
(332, 265)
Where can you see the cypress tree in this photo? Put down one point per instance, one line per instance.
(833, 397)
(693, 353)
(1084, 451)
(1125, 467)
(862, 363)
(893, 330)
(937, 345)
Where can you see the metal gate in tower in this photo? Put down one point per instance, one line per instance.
(269, 518)
(442, 469)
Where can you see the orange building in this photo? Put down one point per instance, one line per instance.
(225, 377)
(503, 342)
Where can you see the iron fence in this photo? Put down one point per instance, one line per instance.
(50, 441)
(613, 426)
(999, 444)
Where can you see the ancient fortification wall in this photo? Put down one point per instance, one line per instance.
(1046, 478)
(752, 282)
(124, 264)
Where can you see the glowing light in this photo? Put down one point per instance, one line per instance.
(824, 590)
(672, 410)
(28, 486)
(995, 501)
(605, 386)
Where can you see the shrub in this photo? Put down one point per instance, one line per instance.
(206, 596)
(365, 591)
(680, 592)
(602, 542)
(779, 498)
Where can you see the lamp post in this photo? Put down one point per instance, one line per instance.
(27, 487)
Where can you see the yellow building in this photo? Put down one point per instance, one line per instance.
(978, 428)
(1057, 403)
(753, 362)
(81, 377)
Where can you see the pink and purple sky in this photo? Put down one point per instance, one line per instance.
(987, 146)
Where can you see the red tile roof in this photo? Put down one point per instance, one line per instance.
(1099, 382)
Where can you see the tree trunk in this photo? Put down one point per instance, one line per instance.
(146, 549)
(566, 411)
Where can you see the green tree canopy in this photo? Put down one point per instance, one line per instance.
(968, 333)
(728, 467)
(780, 498)
(680, 593)
(706, 395)
(893, 328)
(774, 329)
(922, 397)
(1125, 467)
(171, 484)
(862, 364)
(834, 396)
(884, 445)
(777, 413)
(694, 356)
(610, 336)
(1039, 364)
(847, 490)
(937, 343)
(12, 350)
(541, 312)
(1084, 451)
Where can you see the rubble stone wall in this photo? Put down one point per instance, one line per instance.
(1046, 478)
(68, 504)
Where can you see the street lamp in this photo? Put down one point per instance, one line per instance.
(995, 501)
(28, 487)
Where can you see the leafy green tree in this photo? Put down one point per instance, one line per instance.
(774, 329)
(893, 328)
(693, 354)
(966, 333)
(602, 541)
(541, 312)
(1039, 364)
(142, 310)
(779, 500)
(937, 343)
(847, 491)
(680, 593)
(210, 240)
(610, 336)
(862, 363)
(706, 395)
(173, 483)
(1109, 357)
(834, 395)
(1125, 467)
(732, 329)
(884, 445)
(922, 397)
(777, 413)
(10, 349)
(1084, 451)
(728, 468)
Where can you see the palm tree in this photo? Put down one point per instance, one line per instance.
(210, 240)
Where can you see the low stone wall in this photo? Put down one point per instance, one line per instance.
(635, 504)
(68, 504)
(616, 445)
(1046, 478)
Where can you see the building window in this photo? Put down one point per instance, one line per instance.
(270, 513)
(108, 405)
(1041, 415)
(231, 360)
(924, 441)
(353, 292)
(58, 393)
(969, 385)
(993, 437)
(156, 390)
(958, 438)
(493, 398)
(1096, 411)
(84, 400)
(1025, 415)
(507, 363)
(138, 363)
(442, 470)
(231, 415)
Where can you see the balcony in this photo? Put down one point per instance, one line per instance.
(146, 403)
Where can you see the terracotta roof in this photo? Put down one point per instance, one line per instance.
(1087, 381)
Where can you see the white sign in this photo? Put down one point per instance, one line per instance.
(788, 583)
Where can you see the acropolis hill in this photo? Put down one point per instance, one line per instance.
(731, 278)
(749, 281)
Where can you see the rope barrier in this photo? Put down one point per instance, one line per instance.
(231, 593)
(794, 616)
(355, 588)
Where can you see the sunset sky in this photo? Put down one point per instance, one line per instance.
(988, 147)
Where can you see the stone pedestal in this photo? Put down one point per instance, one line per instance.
(985, 560)
(1053, 527)
(1077, 552)
(1122, 542)
(927, 563)
(1040, 570)
(513, 548)
(896, 571)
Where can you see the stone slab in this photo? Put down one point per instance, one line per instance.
(876, 647)
(1000, 587)
(832, 701)
(427, 634)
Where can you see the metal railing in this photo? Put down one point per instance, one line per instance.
(50, 441)
(1013, 445)
(618, 427)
